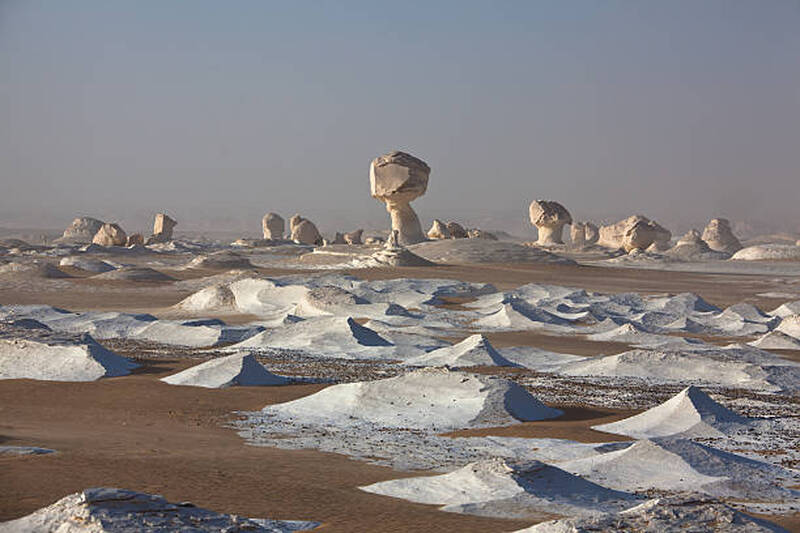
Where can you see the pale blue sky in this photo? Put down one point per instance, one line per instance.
(225, 110)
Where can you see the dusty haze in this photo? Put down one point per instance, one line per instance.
(218, 112)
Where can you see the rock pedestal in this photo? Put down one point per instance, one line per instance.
(396, 179)
(549, 217)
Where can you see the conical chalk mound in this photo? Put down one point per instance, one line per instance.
(475, 350)
(428, 398)
(237, 369)
(690, 413)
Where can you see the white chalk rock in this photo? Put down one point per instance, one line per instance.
(305, 232)
(475, 350)
(162, 228)
(456, 230)
(110, 235)
(237, 369)
(353, 237)
(634, 232)
(719, 236)
(82, 230)
(273, 226)
(396, 179)
(583, 234)
(549, 217)
(438, 230)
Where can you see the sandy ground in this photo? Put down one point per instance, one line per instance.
(138, 433)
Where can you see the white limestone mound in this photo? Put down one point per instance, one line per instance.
(690, 413)
(776, 340)
(516, 313)
(766, 252)
(396, 179)
(305, 232)
(88, 264)
(59, 358)
(224, 260)
(549, 217)
(790, 325)
(683, 465)
(327, 336)
(719, 236)
(664, 515)
(216, 298)
(629, 333)
(31, 270)
(107, 510)
(691, 247)
(237, 369)
(82, 230)
(110, 235)
(428, 398)
(474, 251)
(353, 238)
(133, 273)
(500, 487)
(392, 254)
(456, 230)
(784, 310)
(583, 234)
(737, 366)
(475, 350)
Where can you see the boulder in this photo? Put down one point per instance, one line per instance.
(374, 240)
(438, 230)
(110, 235)
(135, 239)
(305, 232)
(634, 232)
(583, 234)
(549, 217)
(480, 234)
(338, 239)
(162, 229)
(353, 237)
(82, 230)
(456, 230)
(273, 226)
(396, 179)
(719, 236)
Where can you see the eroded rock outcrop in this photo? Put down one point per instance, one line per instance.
(438, 230)
(135, 239)
(635, 232)
(477, 233)
(396, 179)
(273, 226)
(82, 230)
(456, 230)
(110, 235)
(719, 236)
(162, 229)
(583, 234)
(549, 217)
(353, 237)
(305, 232)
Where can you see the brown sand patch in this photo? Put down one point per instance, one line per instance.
(138, 433)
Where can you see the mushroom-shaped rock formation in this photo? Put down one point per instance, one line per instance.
(162, 229)
(456, 230)
(438, 230)
(135, 239)
(82, 230)
(719, 236)
(305, 232)
(549, 218)
(273, 226)
(635, 232)
(583, 234)
(396, 179)
(353, 237)
(110, 235)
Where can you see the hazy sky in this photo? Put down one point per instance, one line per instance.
(222, 111)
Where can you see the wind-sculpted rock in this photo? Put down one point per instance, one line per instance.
(634, 232)
(82, 230)
(396, 179)
(110, 235)
(438, 230)
(583, 234)
(273, 226)
(480, 234)
(719, 236)
(305, 232)
(456, 230)
(549, 218)
(135, 239)
(353, 237)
